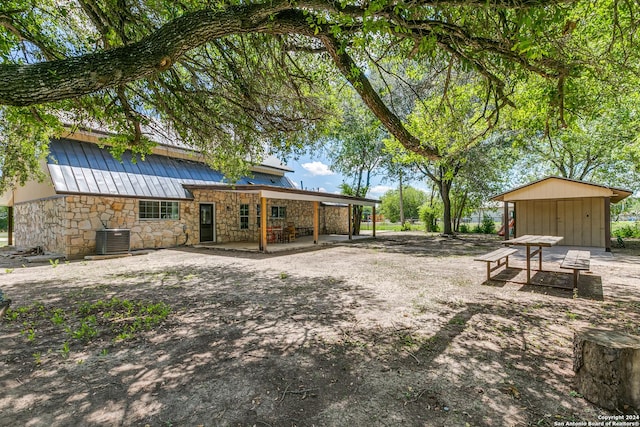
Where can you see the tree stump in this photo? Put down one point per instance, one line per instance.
(4, 305)
(607, 367)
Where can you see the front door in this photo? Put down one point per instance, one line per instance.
(207, 222)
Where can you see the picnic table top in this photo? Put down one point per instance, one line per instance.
(534, 240)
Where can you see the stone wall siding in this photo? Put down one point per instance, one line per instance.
(40, 223)
(86, 214)
(227, 216)
(333, 219)
(68, 224)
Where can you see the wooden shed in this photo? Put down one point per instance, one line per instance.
(577, 210)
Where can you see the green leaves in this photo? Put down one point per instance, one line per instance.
(248, 79)
(24, 140)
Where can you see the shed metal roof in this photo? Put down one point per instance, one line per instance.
(85, 168)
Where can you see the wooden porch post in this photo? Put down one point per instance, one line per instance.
(505, 212)
(607, 224)
(350, 215)
(373, 214)
(10, 225)
(263, 224)
(316, 221)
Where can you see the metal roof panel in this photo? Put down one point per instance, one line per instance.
(80, 167)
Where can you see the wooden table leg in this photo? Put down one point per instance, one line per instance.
(528, 264)
(540, 258)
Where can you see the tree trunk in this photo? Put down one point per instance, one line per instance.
(445, 190)
(401, 202)
(357, 217)
(458, 212)
(607, 367)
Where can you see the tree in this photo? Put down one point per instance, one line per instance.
(412, 200)
(454, 121)
(593, 141)
(430, 212)
(356, 149)
(234, 76)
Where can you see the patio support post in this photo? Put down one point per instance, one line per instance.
(607, 224)
(10, 225)
(351, 220)
(263, 224)
(316, 221)
(373, 214)
(505, 220)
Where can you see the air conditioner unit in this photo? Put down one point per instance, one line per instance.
(112, 241)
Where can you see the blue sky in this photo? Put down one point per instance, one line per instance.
(314, 172)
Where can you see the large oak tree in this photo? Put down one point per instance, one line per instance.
(239, 79)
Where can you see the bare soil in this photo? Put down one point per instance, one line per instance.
(398, 330)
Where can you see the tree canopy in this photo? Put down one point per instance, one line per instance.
(237, 80)
(412, 199)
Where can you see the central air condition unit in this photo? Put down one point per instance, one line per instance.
(112, 241)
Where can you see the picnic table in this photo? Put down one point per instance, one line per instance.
(530, 240)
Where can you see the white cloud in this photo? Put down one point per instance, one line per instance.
(380, 189)
(295, 184)
(317, 169)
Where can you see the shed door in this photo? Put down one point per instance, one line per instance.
(581, 222)
(207, 222)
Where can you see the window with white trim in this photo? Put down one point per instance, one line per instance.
(278, 212)
(155, 209)
(244, 217)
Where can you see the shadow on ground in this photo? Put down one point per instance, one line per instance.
(247, 346)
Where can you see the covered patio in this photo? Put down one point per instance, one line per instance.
(295, 237)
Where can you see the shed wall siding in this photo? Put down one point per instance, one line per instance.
(536, 217)
(579, 221)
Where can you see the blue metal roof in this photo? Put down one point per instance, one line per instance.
(80, 167)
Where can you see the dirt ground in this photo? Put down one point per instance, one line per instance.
(401, 330)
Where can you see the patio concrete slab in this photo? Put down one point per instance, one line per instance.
(304, 242)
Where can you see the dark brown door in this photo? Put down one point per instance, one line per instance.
(206, 222)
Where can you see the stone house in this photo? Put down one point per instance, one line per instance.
(170, 199)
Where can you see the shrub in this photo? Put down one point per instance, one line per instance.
(628, 231)
(464, 228)
(487, 226)
(428, 215)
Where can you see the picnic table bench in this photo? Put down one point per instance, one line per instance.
(496, 256)
(576, 261)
